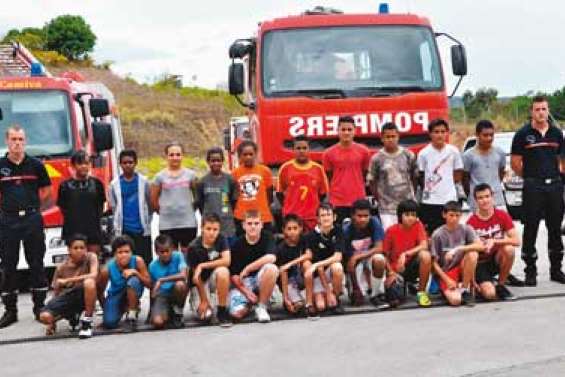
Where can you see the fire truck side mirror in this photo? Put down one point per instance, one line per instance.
(236, 79)
(458, 60)
(99, 107)
(102, 135)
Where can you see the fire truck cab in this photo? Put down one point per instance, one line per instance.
(60, 115)
(299, 74)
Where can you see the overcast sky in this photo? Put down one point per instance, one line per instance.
(512, 45)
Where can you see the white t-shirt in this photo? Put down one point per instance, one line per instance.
(438, 167)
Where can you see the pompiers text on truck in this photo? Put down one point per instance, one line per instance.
(298, 74)
(60, 115)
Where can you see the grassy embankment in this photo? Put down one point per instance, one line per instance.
(153, 115)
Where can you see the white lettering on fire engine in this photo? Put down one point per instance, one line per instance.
(366, 124)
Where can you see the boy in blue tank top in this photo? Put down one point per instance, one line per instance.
(127, 275)
(169, 289)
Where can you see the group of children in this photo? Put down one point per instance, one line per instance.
(318, 255)
(310, 268)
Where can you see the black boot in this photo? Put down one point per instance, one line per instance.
(555, 273)
(38, 297)
(531, 275)
(10, 316)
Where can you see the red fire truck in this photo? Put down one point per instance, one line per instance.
(60, 115)
(298, 74)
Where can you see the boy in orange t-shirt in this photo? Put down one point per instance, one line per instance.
(255, 182)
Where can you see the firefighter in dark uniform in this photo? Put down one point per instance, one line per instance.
(25, 188)
(538, 155)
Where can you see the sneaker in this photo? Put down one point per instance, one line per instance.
(379, 303)
(98, 310)
(85, 329)
(224, 319)
(10, 317)
(467, 298)
(130, 325)
(423, 299)
(261, 314)
(504, 294)
(176, 321)
(393, 295)
(513, 281)
(74, 321)
(531, 280)
(338, 309)
(357, 298)
(312, 313)
(557, 276)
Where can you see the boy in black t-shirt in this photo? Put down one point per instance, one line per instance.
(81, 200)
(291, 253)
(324, 248)
(208, 259)
(252, 269)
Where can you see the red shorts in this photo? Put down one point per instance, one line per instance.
(455, 274)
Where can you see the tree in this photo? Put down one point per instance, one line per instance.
(557, 104)
(480, 102)
(31, 37)
(71, 36)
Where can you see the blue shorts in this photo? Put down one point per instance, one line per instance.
(116, 303)
(237, 300)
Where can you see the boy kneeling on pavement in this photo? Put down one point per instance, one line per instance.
(455, 251)
(169, 289)
(74, 285)
(364, 260)
(325, 246)
(208, 258)
(252, 269)
(406, 246)
(127, 275)
(291, 255)
(496, 230)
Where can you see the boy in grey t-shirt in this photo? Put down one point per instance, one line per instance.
(393, 174)
(484, 163)
(217, 192)
(455, 249)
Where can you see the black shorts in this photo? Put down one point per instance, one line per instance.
(486, 271)
(412, 270)
(67, 304)
(181, 236)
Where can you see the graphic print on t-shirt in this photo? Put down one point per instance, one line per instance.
(494, 231)
(249, 186)
(362, 245)
(435, 178)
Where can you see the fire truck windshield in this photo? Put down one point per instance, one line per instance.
(44, 115)
(350, 61)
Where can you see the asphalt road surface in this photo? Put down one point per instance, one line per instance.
(521, 338)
